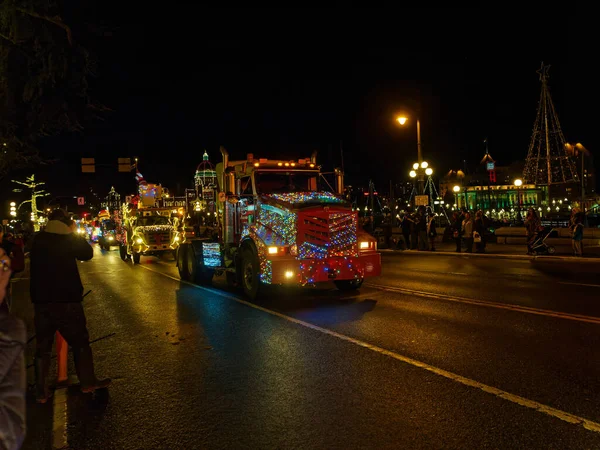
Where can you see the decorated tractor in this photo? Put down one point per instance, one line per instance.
(108, 230)
(276, 223)
(145, 228)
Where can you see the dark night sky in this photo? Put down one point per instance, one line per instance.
(279, 82)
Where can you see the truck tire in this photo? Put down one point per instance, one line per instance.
(136, 258)
(199, 273)
(182, 263)
(250, 273)
(348, 285)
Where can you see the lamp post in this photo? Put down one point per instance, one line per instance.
(456, 190)
(518, 183)
(402, 120)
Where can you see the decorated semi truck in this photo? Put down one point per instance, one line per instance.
(276, 223)
(145, 227)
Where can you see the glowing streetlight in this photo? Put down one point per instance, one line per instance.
(518, 183)
(424, 165)
(415, 166)
(13, 204)
(456, 188)
(428, 171)
(402, 120)
(413, 174)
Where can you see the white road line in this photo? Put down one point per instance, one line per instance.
(59, 419)
(531, 404)
(489, 304)
(579, 284)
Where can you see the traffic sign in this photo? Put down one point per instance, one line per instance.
(88, 165)
(80, 201)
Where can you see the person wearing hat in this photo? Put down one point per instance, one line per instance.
(57, 294)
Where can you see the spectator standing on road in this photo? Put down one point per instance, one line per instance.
(577, 235)
(431, 231)
(57, 294)
(532, 224)
(456, 228)
(13, 337)
(480, 228)
(467, 231)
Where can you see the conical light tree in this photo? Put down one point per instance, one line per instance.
(33, 185)
(548, 162)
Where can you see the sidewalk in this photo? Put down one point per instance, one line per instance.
(506, 251)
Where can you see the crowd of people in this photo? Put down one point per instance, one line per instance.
(419, 230)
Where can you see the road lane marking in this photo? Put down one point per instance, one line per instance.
(531, 404)
(579, 284)
(59, 419)
(490, 304)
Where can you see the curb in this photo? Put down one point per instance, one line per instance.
(493, 255)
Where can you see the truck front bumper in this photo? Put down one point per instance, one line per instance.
(289, 270)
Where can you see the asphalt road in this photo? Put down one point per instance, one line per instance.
(438, 352)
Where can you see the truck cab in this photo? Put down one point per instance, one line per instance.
(280, 222)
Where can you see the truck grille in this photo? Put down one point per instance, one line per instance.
(162, 238)
(324, 234)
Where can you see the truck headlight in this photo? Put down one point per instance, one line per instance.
(139, 241)
(110, 238)
(176, 238)
(273, 250)
(367, 245)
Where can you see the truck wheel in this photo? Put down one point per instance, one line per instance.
(123, 253)
(199, 273)
(250, 274)
(136, 258)
(348, 285)
(182, 263)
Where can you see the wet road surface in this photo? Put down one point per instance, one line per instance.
(438, 352)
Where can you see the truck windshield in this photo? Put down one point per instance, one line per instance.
(147, 221)
(108, 225)
(283, 182)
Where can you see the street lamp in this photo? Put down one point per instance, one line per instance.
(402, 121)
(518, 183)
(456, 190)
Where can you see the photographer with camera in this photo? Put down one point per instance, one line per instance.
(56, 292)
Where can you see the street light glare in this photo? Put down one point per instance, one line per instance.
(428, 171)
(424, 165)
(413, 174)
(415, 166)
(518, 182)
(456, 188)
(401, 120)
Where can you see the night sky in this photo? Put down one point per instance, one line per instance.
(282, 82)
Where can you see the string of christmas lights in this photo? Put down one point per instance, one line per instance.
(211, 254)
(295, 198)
(282, 222)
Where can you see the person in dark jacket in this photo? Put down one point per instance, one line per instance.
(57, 294)
(13, 337)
